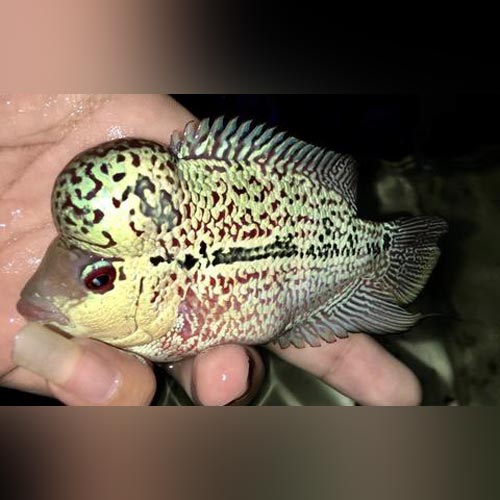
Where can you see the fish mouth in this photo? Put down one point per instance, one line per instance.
(40, 311)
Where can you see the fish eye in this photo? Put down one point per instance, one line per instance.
(99, 277)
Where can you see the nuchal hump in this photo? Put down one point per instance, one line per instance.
(116, 196)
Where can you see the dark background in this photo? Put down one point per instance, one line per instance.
(450, 131)
(369, 126)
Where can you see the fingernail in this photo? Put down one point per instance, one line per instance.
(241, 400)
(254, 380)
(218, 375)
(45, 353)
(79, 371)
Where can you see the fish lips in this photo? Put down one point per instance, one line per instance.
(40, 311)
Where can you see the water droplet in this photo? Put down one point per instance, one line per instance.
(16, 322)
(34, 261)
(17, 213)
(115, 132)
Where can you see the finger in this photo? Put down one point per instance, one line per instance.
(83, 371)
(23, 380)
(359, 368)
(224, 375)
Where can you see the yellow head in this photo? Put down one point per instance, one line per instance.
(113, 205)
(83, 293)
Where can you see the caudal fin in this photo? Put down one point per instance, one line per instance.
(368, 306)
(413, 253)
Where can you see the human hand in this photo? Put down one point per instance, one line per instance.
(40, 134)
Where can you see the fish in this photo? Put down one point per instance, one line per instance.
(231, 233)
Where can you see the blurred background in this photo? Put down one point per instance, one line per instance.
(417, 155)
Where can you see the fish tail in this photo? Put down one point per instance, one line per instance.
(374, 306)
(413, 253)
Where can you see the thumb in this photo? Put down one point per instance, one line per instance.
(84, 371)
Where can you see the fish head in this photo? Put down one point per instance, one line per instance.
(112, 206)
(83, 294)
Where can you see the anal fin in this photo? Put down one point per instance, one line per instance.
(361, 306)
(309, 332)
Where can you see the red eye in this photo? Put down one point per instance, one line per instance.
(101, 280)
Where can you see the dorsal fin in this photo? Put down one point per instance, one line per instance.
(244, 142)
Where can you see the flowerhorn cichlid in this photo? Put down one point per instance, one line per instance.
(234, 234)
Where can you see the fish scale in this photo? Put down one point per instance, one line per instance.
(233, 233)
